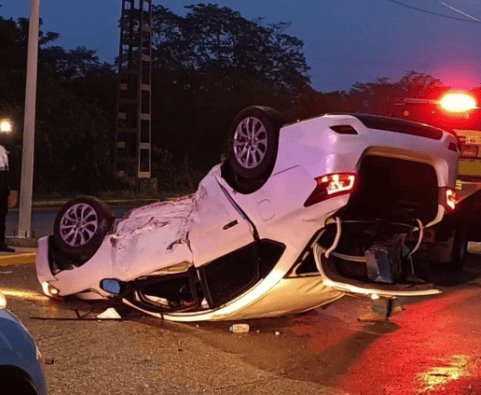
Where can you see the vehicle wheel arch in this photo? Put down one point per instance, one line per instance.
(254, 129)
(81, 225)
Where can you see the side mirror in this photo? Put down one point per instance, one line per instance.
(112, 286)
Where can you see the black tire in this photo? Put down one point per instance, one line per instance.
(460, 247)
(253, 142)
(81, 225)
(15, 381)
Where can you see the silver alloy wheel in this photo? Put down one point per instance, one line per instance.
(250, 142)
(78, 225)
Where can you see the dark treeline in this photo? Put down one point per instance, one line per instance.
(76, 101)
(207, 65)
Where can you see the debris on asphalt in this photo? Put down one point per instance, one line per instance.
(277, 333)
(109, 314)
(239, 328)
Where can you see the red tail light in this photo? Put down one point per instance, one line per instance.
(448, 198)
(469, 151)
(331, 185)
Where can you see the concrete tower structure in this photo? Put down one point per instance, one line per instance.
(133, 133)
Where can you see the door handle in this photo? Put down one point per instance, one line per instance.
(230, 225)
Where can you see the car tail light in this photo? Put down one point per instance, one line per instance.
(448, 198)
(457, 102)
(331, 185)
(469, 151)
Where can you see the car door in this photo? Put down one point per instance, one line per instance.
(217, 227)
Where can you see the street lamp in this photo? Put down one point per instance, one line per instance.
(26, 183)
(6, 126)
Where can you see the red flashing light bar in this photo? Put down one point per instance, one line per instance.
(457, 102)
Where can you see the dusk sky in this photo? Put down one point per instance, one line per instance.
(346, 41)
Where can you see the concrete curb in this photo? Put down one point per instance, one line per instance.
(16, 241)
(21, 256)
(17, 258)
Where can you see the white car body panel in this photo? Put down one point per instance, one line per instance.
(326, 151)
(288, 296)
(191, 230)
(212, 212)
(154, 235)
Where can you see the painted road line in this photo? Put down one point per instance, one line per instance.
(22, 258)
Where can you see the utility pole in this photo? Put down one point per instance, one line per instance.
(26, 184)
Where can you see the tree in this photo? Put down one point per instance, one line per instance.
(73, 64)
(76, 109)
(379, 96)
(213, 37)
(208, 65)
(421, 85)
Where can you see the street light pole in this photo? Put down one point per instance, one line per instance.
(26, 185)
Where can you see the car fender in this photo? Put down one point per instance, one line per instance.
(18, 350)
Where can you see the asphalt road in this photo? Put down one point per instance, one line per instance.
(432, 347)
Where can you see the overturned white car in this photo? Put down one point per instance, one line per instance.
(293, 219)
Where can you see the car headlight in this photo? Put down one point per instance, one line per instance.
(50, 290)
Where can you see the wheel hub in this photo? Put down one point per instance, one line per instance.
(78, 224)
(250, 142)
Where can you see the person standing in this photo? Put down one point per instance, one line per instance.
(4, 194)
